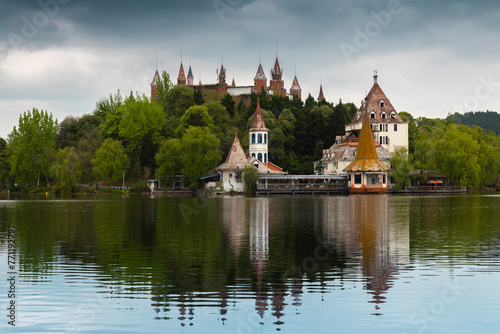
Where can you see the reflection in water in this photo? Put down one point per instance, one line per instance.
(236, 259)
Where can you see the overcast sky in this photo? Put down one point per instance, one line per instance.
(432, 57)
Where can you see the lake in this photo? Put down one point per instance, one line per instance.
(324, 264)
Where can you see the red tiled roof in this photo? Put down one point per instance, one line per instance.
(181, 73)
(321, 96)
(260, 74)
(258, 123)
(295, 85)
(273, 167)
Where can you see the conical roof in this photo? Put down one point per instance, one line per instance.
(276, 68)
(260, 74)
(190, 73)
(321, 96)
(366, 155)
(233, 84)
(295, 85)
(236, 157)
(258, 123)
(155, 78)
(182, 75)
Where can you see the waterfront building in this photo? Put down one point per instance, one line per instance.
(390, 133)
(231, 170)
(366, 174)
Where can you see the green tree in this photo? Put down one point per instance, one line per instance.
(110, 161)
(400, 167)
(198, 97)
(228, 102)
(163, 87)
(169, 158)
(32, 144)
(200, 153)
(4, 163)
(250, 176)
(66, 168)
(141, 122)
(106, 107)
(194, 116)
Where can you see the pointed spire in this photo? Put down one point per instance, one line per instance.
(321, 96)
(181, 79)
(155, 78)
(260, 73)
(190, 77)
(366, 155)
(295, 85)
(258, 123)
(233, 84)
(236, 156)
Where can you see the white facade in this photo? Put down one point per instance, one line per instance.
(232, 180)
(258, 145)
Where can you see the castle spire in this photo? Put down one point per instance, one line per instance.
(321, 96)
(181, 78)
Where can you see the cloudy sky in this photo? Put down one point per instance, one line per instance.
(433, 57)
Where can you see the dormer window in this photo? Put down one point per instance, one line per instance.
(383, 115)
(393, 115)
(381, 104)
(372, 115)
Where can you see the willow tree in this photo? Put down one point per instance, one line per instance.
(32, 144)
(110, 160)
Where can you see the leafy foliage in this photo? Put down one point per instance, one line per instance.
(110, 161)
(32, 144)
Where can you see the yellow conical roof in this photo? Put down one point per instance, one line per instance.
(366, 156)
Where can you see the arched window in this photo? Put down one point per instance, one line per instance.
(382, 104)
(265, 138)
(372, 115)
(383, 115)
(259, 157)
(259, 138)
(253, 155)
(393, 115)
(253, 138)
(265, 157)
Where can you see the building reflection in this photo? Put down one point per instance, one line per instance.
(355, 236)
(362, 227)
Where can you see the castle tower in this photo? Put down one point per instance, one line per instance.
(222, 86)
(258, 137)
(276, 85)
(295, 89)
(181, 79)
(260, 80)
(154, 85)
(321, 96)
(190, 77)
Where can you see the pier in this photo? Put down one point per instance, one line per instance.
(270, 184)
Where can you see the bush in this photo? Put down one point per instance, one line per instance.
(140, 187)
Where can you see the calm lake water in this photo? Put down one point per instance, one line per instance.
(350, 264)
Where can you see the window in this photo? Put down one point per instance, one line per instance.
(382, 104)
(265, 138)
(259, 157)
(372, 115)
(349, 177)
(237, 176)
(357, 179)
(259, 138)
(253, 138)
(253, 155)
(383, 179)
(395, 127)
(380, 140)
(393, 115)
(265, 157)
(386, 127)
(383, 115)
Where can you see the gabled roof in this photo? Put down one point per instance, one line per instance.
(258, 123)
(295, 85)
(155, 78)
(366, 155)
(190, 73)
(236, 156)
(181, 76)
(321, 96)
(260, 74)
(377, 101)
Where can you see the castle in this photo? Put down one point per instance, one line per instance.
(276, 83)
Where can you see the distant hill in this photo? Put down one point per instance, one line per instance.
(489, 120)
